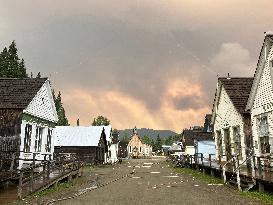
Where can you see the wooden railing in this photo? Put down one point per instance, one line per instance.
(43, 173)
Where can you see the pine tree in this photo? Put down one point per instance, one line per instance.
(63, 121)
(10, 64)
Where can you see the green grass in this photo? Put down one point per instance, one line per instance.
(262, 196)
(59, 187)
(199, 175)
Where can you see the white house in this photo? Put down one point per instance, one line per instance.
(260, 102)
(231, 123)
(27, 118)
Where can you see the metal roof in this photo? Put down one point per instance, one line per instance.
(81, 136)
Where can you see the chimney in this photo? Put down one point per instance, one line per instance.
(78, 122)
(228, 77)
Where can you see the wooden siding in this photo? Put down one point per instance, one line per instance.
(10, 129)
(42, 105)
(263, 102)
(226, 117)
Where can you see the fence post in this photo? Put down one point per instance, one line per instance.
(20, 185)
(12, 162)
(238, 173)
(259, 167)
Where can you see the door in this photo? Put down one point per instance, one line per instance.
(227, 143)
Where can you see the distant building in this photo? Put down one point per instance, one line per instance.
(136, 148)
(189, 137)
(122, 149)
(89, 144)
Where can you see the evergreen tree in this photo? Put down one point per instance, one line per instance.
(115, 135)
(158, 143)
(63, 121)
(10, 64)
(146, 139)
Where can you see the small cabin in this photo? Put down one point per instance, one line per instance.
(88, 144)
(27, 120)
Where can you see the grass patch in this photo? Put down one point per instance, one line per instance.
(262, 196)
(198, 175)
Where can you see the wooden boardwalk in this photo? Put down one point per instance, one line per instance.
(258, 170)
(38, 176)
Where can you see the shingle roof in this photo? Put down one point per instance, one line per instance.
(238, 90)
(18, 93)
(191, 135)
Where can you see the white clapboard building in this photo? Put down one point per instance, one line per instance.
(260, 102)
(231, 123)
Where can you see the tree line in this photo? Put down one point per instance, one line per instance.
(11, 66)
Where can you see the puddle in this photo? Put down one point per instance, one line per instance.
(154, 172)
(196, 185)
(146, 166)
(129, 166)
(136, 177)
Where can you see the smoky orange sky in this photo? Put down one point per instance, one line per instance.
(144, 63)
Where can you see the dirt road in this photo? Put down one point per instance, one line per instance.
(153, 182)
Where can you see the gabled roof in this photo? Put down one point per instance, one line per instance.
(268, 42)
(190, 135)
(238, 90)
(17, 93)
(79, 135)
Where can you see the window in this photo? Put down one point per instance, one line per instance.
(265, 146)
(38, 139)
(139, 149)
(219, 143)
(27, 140)
(263, 126)
(264, 134)
(130, 149)
(48, 140)
(237, 141)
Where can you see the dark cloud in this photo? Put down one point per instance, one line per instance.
(137, 48)
(189, 102)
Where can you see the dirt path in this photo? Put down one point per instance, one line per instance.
(154, 183)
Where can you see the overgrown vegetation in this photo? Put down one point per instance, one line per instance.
(198, 175)
(263, 196)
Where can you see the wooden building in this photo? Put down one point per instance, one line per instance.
(88, 144)
(191, 136)
(136, 148)
(231, 123)
(27, 119)
(260, 102)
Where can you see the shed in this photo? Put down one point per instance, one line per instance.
(88, 144)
